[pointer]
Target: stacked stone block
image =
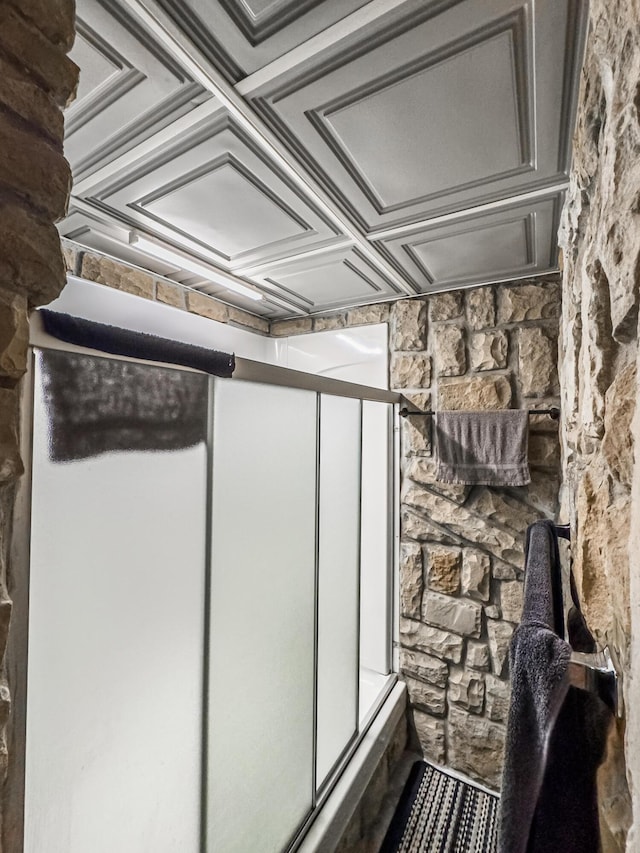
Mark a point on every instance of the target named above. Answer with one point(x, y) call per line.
point(36, 81)
point(462, 547)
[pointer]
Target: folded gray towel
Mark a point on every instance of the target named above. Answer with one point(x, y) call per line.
point(483, 447)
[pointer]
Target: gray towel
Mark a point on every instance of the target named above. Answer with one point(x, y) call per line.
point(483, 447)
point(556, 733)
point(102, 405)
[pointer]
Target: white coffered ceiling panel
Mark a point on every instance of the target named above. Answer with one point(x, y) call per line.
point(326, 280)
point(445, 113)
point(129, 86)
point(326, 153)
point(213, 192)
point(515, 241)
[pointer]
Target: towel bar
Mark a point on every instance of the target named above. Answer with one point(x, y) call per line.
point(597, 674)
point(553, 412)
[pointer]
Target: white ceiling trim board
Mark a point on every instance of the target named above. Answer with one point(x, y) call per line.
point(254, 269)
point(500, 204)
point(176, 43)
point(327, 39)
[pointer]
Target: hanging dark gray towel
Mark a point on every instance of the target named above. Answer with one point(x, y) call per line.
point(483, 447)
point(556, 733)
point(111, 339)
point(99, 405)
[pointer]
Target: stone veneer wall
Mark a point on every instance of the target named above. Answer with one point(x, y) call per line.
point(36, 81)
point(600, 236)
point(461, 561)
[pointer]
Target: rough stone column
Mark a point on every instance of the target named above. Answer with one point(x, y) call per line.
point(600, 236)
point(36, 81)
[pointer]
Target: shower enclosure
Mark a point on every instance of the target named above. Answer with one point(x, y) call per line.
point(210, 617)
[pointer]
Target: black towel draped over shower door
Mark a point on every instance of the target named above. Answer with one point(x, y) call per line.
point(556, 733)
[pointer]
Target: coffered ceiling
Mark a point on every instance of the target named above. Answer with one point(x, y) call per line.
point(324, 153)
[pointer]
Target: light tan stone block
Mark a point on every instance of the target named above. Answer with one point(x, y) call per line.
point(207, 306)
point(497, 696)
point(459, 521)
point(424, 667)
point(119, 276)
point(446, 306)
point(500, 634)
point(466, 689)
point(171, 294)
point(477, 655)
point(476, 746)
point(410, 370)
point(481, 308)
point(537, 358)
point(368, 314)
point(296, 326)
point(431, 641)
point(450, 352)
point(618, 443)
point(452, 614)
point(476, 574)
point(528, 302)
point(511, 600)
point(409, 325)
point(415, 436)
point(327, 324)
point(488, 350)
point(411, 579)
point(427, 697)
point(443, 569)
point(243, 318)
point(430, 734)
point(476, 393)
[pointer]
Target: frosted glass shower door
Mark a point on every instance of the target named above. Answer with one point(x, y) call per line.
point(262, 617)
point(377, 515)
point(338, 578)
point(114, 704)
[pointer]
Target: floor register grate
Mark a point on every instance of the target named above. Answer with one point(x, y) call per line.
point(438, 813)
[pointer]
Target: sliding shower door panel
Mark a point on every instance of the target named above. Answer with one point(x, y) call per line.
point(113, 759)
point(262, 617)
point(338, 578)
point(377, 514)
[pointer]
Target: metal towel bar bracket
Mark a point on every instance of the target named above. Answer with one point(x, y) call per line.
point(598, 674)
